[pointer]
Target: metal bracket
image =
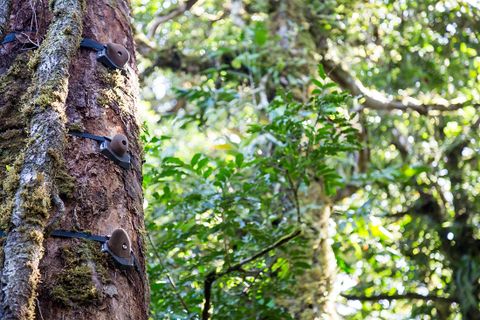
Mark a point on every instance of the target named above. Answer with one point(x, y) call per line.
point(122, 160)
point(111, 55)
point(115, 149)
point(119, 247)
point(105, 60)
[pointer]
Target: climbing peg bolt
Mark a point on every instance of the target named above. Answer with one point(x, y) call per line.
point(119, 145)
point(111, 55)
point(119, 247)
point(116, 148)
point(117, 54)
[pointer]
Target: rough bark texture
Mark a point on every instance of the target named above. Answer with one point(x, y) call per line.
point(52, 179)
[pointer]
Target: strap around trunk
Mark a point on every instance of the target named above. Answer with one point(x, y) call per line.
point(91, 44)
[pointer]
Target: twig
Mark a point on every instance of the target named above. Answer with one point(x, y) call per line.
point(294, 189)
point(255, 277)
point(36, 44)
point(266, 250)
point(169, 278)
point(213, 275)
point(34, 17)
point(39, 309)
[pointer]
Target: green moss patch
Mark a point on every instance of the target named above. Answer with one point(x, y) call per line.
point(13, 131)
point(84, 272)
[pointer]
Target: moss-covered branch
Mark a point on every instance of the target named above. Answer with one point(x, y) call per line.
point(379, 102)
point(32, 199)
point(403, 296)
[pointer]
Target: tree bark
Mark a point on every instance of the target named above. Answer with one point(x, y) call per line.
point(50, 180)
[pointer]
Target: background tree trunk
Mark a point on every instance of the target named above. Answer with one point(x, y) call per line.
point(315, 293)
point(50, 179)
point(320, 294)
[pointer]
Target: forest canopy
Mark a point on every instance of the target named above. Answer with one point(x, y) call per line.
point(311, 159)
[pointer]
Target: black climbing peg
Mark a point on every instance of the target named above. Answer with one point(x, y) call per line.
point(111, 55)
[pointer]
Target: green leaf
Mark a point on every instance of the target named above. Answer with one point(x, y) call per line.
point(260, 33)
point(321, 71)
point(195, 159)
point(239, 159)
point(173, 160)
point(317, 83)
point(202, 163)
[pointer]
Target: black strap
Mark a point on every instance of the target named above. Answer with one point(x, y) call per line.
point(89, 136)
point(91, 44)
point(78, 235)
point(83, 235)
point(71, 234)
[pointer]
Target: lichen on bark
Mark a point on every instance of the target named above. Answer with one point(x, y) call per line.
point(45, 110)
point(113, 95)
point(4, 13)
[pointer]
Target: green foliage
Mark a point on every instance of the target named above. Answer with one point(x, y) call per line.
point(208, 213)
point(243, 133)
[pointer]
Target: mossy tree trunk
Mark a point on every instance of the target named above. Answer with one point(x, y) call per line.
point(49, 179)
point(318, 295)
point(315, 296)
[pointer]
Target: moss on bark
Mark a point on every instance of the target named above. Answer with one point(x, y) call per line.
point(83, 277)
point(64, 182)
point(114, 96)
point(13, 132)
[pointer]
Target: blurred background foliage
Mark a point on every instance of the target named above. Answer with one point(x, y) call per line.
point(311, 159)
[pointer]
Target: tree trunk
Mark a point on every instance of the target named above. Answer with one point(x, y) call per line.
point(52, 180)
point(315, 294)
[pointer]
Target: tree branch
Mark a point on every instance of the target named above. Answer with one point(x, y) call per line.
point(376, 101)
point(213, 276)
point(165, 16)
point(23, 247)
point(405, 296)
point(278, 243)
